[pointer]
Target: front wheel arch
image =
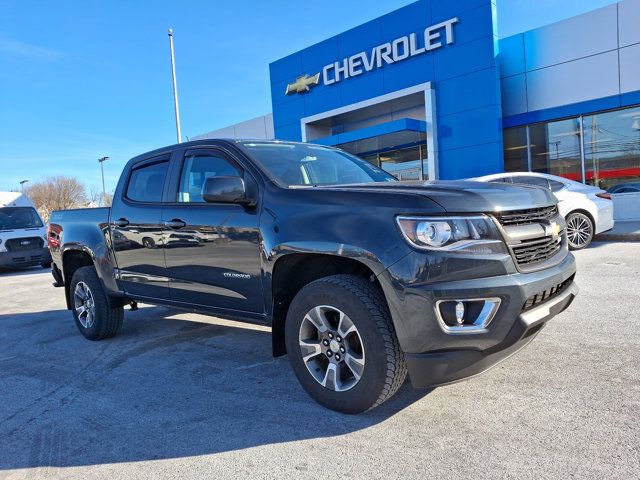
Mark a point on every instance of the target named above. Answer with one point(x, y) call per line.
point(294, 271)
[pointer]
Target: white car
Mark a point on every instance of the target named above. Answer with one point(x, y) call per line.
point(587, 210)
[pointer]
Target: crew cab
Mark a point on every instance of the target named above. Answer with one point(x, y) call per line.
point(361, 277)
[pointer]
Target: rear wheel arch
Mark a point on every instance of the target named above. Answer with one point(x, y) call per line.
point(72, 260)
point(585, 212)
point(293, 271)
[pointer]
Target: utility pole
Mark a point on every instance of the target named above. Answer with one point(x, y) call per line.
point(175, 86)
point(22, 182)
point(104, 190)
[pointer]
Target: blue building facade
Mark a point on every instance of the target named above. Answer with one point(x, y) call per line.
point(440, 92)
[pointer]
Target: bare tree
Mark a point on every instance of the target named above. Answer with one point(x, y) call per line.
point(107, 199)
point(57, 193)
point(98, 199)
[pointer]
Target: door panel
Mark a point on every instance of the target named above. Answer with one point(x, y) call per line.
point(214, 259)
point(138, 232)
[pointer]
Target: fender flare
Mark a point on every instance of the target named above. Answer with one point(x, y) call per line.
point(366, 258)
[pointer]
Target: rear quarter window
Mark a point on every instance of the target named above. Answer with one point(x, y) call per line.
point(533, 181)
point(556, 186)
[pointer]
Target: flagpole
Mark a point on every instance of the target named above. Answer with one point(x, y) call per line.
point(175, 86)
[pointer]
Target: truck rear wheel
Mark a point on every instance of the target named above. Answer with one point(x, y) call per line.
point(94, 317)
point(342, 345)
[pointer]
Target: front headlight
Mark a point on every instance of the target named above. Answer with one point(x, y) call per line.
point(472, 234)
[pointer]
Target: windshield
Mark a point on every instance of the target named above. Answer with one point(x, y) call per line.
point(19, 217)
point(304, 164)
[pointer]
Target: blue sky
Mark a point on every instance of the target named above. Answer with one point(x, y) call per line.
point(84, 79)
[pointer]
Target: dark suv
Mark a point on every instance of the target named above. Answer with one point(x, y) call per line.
point(361, 277)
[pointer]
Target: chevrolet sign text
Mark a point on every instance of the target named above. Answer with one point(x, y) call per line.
point(390, 52)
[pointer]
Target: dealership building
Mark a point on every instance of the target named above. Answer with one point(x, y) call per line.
point(430, 92)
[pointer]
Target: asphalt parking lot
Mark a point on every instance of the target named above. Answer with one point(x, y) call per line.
point(186, 396)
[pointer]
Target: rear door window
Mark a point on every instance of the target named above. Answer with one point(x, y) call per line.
point(146, 183)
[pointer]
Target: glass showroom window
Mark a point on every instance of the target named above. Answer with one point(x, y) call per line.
point(515, 150)
point(404, 164)
point(612, 147)
point(555, 148)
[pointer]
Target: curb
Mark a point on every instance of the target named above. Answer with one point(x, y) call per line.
point(617, 237)
point(622, 231)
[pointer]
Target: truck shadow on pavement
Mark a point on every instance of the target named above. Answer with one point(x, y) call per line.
point(165, 388)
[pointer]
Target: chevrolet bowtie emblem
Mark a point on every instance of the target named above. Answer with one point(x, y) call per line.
point(553, 229)
point(303, 84)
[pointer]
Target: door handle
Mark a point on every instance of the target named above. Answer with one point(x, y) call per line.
point(175, 223)
point(121, 222)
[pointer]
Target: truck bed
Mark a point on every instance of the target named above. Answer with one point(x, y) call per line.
point(80, 215)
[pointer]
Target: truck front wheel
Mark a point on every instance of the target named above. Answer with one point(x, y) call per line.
point(94, 317)
point(342, 345)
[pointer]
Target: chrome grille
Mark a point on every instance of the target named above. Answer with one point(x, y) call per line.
point(540, 297)
point(536, 250)
point(24, 244)
point(523, 217)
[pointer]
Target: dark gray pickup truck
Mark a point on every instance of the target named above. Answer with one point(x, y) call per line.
point(361, 277)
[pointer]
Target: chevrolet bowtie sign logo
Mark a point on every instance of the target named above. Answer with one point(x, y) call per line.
point(417, 43)
point(303, 84)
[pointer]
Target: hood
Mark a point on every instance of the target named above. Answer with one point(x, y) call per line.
point(463, 196)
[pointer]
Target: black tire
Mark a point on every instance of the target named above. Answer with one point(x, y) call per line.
point(148, 242)
point(384, 370)
point(46, 264)
point(107, 321)
point(580, 230)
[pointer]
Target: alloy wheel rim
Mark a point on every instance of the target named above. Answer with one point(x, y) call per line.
point(332, 348)
point(84, 305)
point(578, 230)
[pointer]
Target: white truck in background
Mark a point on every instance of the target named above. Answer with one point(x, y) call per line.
point(23, 236)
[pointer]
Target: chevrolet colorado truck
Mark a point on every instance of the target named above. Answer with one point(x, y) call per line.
point(362, 278)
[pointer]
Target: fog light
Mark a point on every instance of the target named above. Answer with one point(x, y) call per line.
point(466, 316)
point(460, 313)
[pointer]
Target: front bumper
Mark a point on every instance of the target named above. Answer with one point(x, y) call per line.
point(26, 258)
point(444, 367)
point(435, 357)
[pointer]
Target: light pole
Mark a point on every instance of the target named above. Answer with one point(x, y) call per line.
point(175, 86)
point(22, 182)
point(104, 190)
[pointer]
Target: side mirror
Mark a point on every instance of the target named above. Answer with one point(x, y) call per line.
point(225, 190)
